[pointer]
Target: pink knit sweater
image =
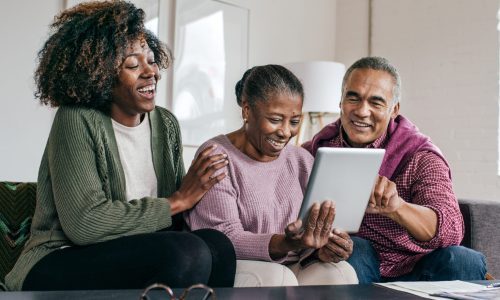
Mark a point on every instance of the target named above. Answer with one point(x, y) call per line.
point(256, 199)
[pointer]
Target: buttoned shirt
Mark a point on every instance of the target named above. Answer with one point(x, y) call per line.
point(424, 180)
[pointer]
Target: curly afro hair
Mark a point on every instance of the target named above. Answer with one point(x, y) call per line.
point(79, 63)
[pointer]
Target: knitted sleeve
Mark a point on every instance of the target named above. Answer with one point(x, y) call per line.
point(174, 141)
point(86, 212)
point(219, 210)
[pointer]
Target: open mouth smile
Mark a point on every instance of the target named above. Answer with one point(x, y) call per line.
point(276, 144)
point(147, 91)
point(360, 124)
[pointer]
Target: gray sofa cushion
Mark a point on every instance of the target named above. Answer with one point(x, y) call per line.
point(484, 233)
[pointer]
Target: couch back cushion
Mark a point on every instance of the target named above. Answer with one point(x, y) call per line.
point(17, 206)
point(465, 210)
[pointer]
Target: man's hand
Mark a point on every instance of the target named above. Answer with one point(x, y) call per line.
point(338, 248)
point(384, 199)
point(420, 221)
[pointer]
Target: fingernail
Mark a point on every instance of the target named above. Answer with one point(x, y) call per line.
point(224, 155)
point(214, 146)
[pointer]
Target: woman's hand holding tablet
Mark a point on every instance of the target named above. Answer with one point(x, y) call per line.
point(314, 234)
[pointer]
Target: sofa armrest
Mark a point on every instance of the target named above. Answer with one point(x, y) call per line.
point(17, 206)
point(482, 230)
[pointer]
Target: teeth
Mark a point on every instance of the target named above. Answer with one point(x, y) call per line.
point(278, 144)
point(148, 88)
point(360, 124)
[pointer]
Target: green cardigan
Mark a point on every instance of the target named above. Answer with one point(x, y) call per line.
point(81, 186)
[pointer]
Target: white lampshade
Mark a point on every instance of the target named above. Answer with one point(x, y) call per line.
point(322, 81)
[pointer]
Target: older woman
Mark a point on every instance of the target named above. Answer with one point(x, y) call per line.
point(257, 204)
point(112, 175)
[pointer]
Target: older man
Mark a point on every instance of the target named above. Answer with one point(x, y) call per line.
point(412, 226)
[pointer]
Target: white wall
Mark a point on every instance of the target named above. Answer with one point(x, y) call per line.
point(283, 31)
point(304, 31)
point(351, 42)
point(24, 123)
point(447, 54)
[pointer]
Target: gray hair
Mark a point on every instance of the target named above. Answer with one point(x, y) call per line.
point(379, 64)
point(261, 82)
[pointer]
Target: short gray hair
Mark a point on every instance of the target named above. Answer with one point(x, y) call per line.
point(380, 64)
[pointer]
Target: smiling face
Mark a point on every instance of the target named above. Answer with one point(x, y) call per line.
point(270, 125)
point(367, 106)
point(134, 93)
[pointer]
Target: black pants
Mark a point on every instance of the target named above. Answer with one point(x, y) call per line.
point(177, 259)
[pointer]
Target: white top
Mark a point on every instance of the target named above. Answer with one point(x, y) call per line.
point(134, 147)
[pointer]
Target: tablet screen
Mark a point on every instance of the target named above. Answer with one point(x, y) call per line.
point(346, 176)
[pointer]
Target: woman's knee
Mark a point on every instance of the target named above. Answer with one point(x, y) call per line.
point(217, 240)
point(321, 273)
point(251, 273)
point(184, 252)
point(223, 257)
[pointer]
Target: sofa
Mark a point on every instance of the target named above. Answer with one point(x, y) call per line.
point(482, 230)
point(17, 206)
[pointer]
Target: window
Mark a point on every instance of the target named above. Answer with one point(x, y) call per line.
point(210, 57)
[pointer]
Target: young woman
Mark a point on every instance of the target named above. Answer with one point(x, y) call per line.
point(257, 204)
point(112, 175)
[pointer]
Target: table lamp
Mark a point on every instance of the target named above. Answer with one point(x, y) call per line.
point(322, 82)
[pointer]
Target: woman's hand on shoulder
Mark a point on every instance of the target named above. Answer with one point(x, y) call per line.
point(198, 180)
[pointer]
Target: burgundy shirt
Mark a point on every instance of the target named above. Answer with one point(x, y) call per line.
point(424, 179)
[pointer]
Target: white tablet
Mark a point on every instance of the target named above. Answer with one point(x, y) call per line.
point(346, 176)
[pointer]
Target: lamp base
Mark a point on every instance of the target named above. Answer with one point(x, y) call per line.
point(312, 123)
